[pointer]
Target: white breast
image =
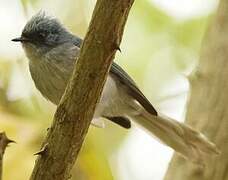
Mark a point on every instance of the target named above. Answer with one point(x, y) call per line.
point(108, 96)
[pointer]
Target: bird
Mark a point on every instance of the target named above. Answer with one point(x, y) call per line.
point(52, 51)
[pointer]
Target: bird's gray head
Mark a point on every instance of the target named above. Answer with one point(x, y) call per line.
point(42, 33)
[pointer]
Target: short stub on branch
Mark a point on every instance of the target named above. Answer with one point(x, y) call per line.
point(4, 142)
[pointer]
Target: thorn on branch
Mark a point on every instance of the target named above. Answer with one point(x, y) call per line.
point(42, 151)
point(11, 141)
point(117, 47)
point(4, 142)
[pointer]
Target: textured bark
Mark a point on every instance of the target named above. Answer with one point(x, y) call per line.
point(76, 109)
point(4, 141)
point(207, 106)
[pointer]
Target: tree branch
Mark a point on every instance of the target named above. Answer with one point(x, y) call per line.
point(4, 141)
point(76, 109)
point(207, 106)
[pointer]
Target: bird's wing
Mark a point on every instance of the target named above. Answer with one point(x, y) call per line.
point(125, 79)
point(132, 88)
point(77, 41)
point(120, 120)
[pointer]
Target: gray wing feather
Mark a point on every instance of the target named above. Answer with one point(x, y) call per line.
point(125, 79)
point(77, 41)
point(132, 88)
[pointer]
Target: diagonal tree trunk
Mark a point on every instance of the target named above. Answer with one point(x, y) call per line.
point(207, 107)
point(75, 111)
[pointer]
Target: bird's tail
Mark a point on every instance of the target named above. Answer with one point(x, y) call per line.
point(180, 137)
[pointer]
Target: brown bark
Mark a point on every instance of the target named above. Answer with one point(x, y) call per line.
point(75, 111)
point(207, 106)
point(4, 141)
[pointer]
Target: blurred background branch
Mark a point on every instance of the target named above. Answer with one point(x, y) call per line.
point(207, 106)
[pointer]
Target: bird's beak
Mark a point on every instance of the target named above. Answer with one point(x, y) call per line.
point(20, 39)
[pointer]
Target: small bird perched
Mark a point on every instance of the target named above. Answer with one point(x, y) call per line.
point(52, 51)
